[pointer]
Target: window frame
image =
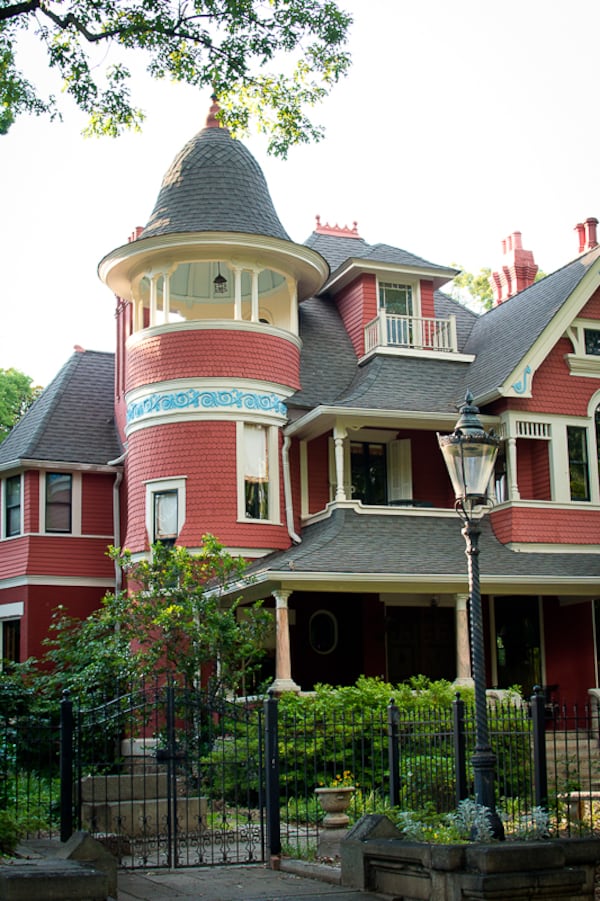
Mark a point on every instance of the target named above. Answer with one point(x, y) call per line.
point(398, 472)
point(272, 450)
point(8, 508)
point(50, 505)
point(10, 613)
point(156, 487)
point(582, 462)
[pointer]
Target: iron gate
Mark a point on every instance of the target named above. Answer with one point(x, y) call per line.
point(168, 776)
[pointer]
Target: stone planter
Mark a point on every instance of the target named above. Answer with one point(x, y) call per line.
point(335, 802)
point(376, 858)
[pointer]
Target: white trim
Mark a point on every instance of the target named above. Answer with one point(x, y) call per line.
point(12, 611)
point(522, 547)
point(59, 581)
point(212, 325)
point(386, 350)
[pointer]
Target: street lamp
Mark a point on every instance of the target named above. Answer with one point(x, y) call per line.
point(470, 454)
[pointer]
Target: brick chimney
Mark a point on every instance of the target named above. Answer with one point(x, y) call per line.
point(586, 234)
point(517, 270)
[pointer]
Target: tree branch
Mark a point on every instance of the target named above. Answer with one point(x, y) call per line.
point(18, 9)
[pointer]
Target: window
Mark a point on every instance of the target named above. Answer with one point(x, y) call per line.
point(369, 468)
point(10, 632)
point(59, 493)
point(397, 300)
point(12, 506)
point(579, 481)
point(256, 471)
point(592, 341)
point(165, 516)
point(10, 638)
point(165, 510)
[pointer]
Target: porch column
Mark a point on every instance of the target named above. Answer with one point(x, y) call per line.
point(254, 296)
point(338, 439)
point(511, 469)
point(153, 298)
point(283, 661)
point(166, 296)
point(463, 654)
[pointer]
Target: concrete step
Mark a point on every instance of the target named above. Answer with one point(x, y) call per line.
point(133, 818)
point(52, 880)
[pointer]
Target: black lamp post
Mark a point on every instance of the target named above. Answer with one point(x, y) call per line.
point(470, 454)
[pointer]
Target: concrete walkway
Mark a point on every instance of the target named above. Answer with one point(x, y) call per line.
point(295, 880)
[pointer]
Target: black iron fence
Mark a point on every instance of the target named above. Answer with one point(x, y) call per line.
point(173, 778)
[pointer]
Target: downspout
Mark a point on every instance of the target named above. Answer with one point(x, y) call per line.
point(117, 517)
point(287, 489)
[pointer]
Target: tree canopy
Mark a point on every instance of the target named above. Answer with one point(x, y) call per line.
point(268, 61)
point(17, 393)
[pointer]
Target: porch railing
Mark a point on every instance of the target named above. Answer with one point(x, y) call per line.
point(418, 332)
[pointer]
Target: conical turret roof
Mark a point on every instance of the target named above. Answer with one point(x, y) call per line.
point(214, 184)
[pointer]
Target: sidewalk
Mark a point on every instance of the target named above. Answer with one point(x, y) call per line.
point(238, 883)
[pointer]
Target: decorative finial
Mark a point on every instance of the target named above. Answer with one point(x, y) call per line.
point(211, 119)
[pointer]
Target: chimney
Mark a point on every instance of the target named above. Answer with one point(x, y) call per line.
point(517, 271)
point(586, 234)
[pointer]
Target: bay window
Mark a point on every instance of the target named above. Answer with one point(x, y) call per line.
point(59, 500)
point(12, 506)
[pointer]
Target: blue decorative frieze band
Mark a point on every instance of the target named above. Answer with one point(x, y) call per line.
point(521, 386)
point(172, 401)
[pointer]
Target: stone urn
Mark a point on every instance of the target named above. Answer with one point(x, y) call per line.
point(335, 802)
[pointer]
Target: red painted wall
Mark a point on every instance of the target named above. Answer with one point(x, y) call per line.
point(206, 353)
point(569, 645)
point(205, 452)
point(430, 476)
point(533, 469)
point(555, 390)
point(592, 308)
point(357, 304)
point(546, 526)
point(97, 504)
point(427, 307)
point(317, 456)
point(31, 502)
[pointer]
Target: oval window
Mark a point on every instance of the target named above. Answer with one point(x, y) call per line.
point(323, 632)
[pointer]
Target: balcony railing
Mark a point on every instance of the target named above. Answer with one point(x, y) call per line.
point(417, 332)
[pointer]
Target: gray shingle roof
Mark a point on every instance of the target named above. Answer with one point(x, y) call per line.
point(339, 249)
point(446, 306)
point(406, 383)
point(354, 543)
point(73, 419)
point(214, 184)
point(502, 337)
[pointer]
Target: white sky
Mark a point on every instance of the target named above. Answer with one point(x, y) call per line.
point(460, 123)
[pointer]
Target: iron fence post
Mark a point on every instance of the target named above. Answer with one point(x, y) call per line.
point(393, 720)
point(460, 753)
point(540, 771)
point(66, 767)
point(272, 776)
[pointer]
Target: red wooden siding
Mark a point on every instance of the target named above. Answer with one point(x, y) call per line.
point(546, 526)
point(357, 304)
point(31, 502)
point(533, 469)
point(592, 308)
point(427, 307)
point(555, 390)
point(317, 455)
point(213, 353)
point(97, 504)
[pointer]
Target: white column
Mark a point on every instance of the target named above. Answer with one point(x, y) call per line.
point(166, 296)
point(292, 285)
point(463, 654)
point(237, 293)
point(283, 661)
point(153, 292)
point(338, 439)
point(254, 316)
point(511, 469)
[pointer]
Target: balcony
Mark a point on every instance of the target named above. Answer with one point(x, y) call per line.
point(414, 332)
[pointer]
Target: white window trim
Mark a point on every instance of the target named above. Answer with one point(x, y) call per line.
point(414, 283)
point(75, 503)
point(274, 517)
point(157, 486)
point(579, 362)
point(3, 533)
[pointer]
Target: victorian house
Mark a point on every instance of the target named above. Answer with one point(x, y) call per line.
point(287, 398)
